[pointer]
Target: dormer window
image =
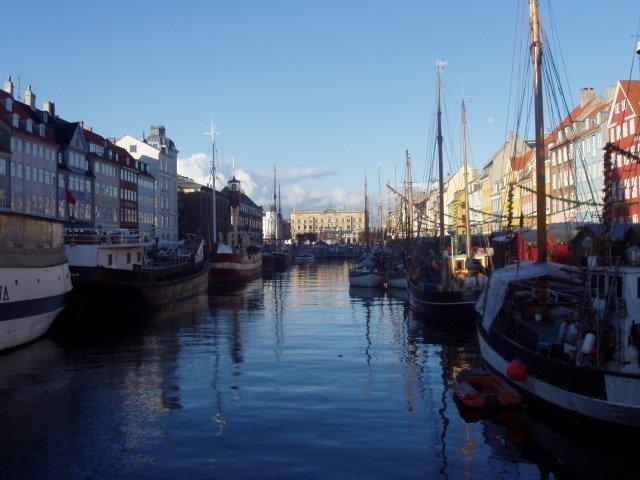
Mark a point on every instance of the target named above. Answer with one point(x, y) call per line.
point(42, 129)
point(9, 105)
point(29, 125)
point(15, 120)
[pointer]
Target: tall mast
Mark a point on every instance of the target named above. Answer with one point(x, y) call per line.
point(274, 187)
point(274, 211)
point(536, 58)
point(212, 132)
point(466, 180)
point(366, 214)
point(279, 215)
point(379, 213)
point(439, 67)
point(409, 195)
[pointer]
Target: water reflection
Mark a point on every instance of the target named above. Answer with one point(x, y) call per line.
point(293, 375)
point(274, 288)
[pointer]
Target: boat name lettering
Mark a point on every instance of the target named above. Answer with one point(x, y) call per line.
point(4, 293)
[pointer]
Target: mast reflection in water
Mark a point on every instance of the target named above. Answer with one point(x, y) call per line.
point(293, 375)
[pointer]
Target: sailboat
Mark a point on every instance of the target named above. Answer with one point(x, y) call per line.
point(274, 256)
point(566, 336)
point(396, 264)
point(441, 282)
point(369, 270)
point(237, 259)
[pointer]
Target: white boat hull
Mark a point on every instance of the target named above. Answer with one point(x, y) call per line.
point(397, 282)
point(30, 300)
point(618, 387)
point(371, 279)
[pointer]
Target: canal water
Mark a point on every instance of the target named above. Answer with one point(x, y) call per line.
point(292, 376)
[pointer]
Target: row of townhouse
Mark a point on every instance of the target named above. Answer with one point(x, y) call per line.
point(55, 168)
point(503, 193)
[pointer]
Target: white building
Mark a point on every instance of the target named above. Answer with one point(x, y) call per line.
point(160, 153)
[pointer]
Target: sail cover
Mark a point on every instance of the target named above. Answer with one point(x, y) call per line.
point(490, 301)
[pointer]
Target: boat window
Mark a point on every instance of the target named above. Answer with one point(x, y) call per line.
point(128, 257)
point(110, 259)
point(139, 257)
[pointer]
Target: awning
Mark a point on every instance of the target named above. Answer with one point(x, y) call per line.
point(492, 297)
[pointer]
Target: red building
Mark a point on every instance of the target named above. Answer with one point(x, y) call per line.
point(624, 132)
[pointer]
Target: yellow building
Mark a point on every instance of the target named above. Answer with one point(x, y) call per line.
point(330, 225)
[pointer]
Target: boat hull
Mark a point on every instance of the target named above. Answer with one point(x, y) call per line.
point(584, 393)
point(398, 281)
point(31, 300)
point(366, 279)
point(139, 289)
point(439, 303)
point(234, 267)
point(275, 262)
point(480, 389)
point(34, 277)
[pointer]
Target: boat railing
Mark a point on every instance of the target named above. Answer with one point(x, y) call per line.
point(97, 236)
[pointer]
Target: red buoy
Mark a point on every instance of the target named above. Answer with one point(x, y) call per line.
point(517, 370)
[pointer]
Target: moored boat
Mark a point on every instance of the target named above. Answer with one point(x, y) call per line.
point(237, 260)
point(125, 266)
point(304, 257)
point(368, 272)
point(567, 336)
point(369, 269)
point(396, 276)
point(229, 264)
point(366, 278)
point(34, 277)
point(275, 260)
point(480, 389)
point(442, 282)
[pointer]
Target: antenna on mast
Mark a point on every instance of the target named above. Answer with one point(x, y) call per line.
point(212, 132)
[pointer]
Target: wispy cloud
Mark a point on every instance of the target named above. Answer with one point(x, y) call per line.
point(259, 186)
point(297, 174)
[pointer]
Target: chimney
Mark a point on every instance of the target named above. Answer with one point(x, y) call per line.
point(81, 122)
point(49, 107)
point(586, 94)
point(8, 86)
point(611, 92)
point(30, 97)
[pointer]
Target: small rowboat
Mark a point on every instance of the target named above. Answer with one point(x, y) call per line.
point(480, 389)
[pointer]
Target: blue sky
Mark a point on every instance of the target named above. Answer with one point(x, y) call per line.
point(326, 89)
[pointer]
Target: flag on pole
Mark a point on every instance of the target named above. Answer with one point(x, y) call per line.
point(71, 200)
